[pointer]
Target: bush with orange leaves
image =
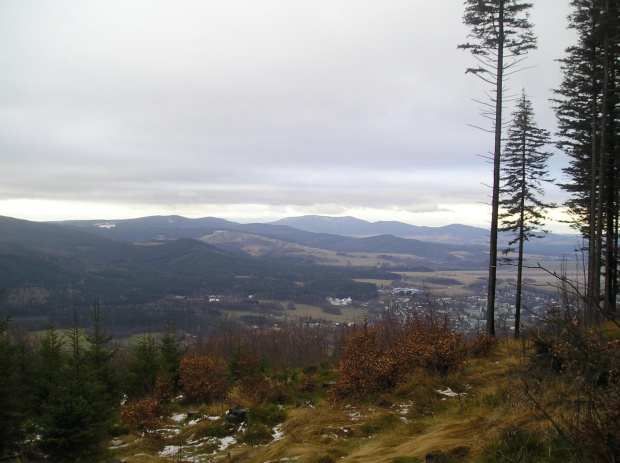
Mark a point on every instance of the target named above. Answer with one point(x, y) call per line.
point(256, 388)
point(365, 368)
point(202, 379)
point(433, 346)
point(142, 415)
point(376, 359)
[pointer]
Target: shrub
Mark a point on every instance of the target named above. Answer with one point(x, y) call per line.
point(271, 415)
point(378, 358)
point(601, 437)
point(256, 388)
point(202, 379)
point(566, 352)
point(278, 393)
point(433, 347)
point(142, 415)
point(164, 389)
point(257, 434)
point(219, 428)
point(483, 345)
point(365, 368)
point(307, 383)
point(243, 364)
point(517, 444)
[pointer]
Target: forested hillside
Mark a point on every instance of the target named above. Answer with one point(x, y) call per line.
point(46, 269)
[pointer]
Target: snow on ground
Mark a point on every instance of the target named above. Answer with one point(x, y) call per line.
point(277, 433)
point(450, 393)
point(170, 450)
point(226, 442)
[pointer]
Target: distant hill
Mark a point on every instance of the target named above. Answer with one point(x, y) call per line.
point(339, 234)
point(455, 234)
point(350, 226)
point(441, 255)
point(47, 268)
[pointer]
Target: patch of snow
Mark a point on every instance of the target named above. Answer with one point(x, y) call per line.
point(178, 418)
point(226, 442)
point(277, 433)
point(117, 444)
point(450, 393)
point(169, 450)
point(213, 418)
point(169, 430)
point(355, 415)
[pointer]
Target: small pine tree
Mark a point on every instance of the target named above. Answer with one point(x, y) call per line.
point(77, 415)
point(98, 358)
point(523, 171)
point(142, 369)
point(171, 350)
point(14, 391)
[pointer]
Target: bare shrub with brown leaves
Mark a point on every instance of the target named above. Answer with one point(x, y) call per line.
point(570, 352)
point(202, 379)
point(376, 359)
point(433, 347)
point(483, 345)
point(164, 389)
point(365, 368)
point(256, 388)
point(307, 383)
point(142, 415)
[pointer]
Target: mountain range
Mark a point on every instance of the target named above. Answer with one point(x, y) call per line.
point(135, 262)
point(345, 234)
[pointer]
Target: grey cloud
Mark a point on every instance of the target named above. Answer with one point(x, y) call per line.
point(352, 103)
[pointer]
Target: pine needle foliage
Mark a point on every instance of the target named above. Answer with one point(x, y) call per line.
point(524, 170)
point(501, 35)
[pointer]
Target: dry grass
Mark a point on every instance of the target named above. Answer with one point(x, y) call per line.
point(407, 423)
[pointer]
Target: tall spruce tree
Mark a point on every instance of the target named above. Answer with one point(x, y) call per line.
point(501, 35)
point(587, 113)
point(524, 169)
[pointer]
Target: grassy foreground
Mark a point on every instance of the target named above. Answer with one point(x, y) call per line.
point(479, 414)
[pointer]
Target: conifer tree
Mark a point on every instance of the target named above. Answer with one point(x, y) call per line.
point(142, 369)
point(524, 168)
point(502, 35)
point(49, 365)
point(98, 359)
point(14, 390)
point(77, 415)
point(171, 351)
point(587, 112)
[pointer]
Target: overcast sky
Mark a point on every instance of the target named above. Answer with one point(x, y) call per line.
point(253, 110)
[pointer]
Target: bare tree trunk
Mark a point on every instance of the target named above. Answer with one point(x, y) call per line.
point(496, 177)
